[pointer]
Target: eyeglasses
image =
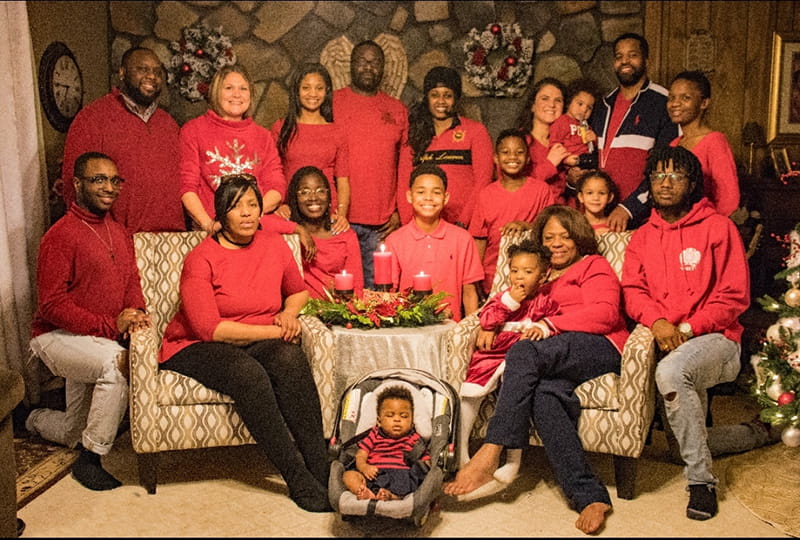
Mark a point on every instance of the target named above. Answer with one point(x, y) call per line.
point(238, 176)
point(305, 192)
point(100, 179)
point(674, 177)
point(147, 70)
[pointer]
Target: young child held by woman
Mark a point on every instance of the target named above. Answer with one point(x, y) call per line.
point(572, 129)
point(517, 313)
point(598, 195)
point(381, 471)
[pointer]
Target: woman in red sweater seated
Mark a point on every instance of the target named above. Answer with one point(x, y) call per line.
point(586, 341)
point(226, 140)
point(308, 136)
point(237, 332)
point(308, 198)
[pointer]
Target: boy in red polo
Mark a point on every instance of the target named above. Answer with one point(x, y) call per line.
point(430, 244)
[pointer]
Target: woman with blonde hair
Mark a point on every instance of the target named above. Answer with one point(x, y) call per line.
point(226, 140)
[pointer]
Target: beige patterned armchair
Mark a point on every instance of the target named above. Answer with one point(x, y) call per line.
point(617, 410)
point(169, 411)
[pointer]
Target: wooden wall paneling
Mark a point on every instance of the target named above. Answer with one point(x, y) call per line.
point(677, 32)
point(654, 24)
point(785, 16)
point(727, 82)
point(796, 19)
point(756, 73)
point(698, 15)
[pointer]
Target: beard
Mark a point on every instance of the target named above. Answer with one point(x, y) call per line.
point(369, 85)
point(138, 97)
point(632, 78)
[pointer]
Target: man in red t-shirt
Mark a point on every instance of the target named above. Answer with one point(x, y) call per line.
point(90, 300)
point(376, 126)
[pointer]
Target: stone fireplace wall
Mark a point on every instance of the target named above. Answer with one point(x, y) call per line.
point(572, 39)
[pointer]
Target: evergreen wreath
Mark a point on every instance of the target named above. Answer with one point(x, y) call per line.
point(499, 59)
point(376, 309)
point(777, 365)
point(197, 56)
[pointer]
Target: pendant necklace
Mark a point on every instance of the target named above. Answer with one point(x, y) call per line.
point(110, 245)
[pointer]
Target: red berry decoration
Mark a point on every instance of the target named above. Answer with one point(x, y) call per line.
point(511, 61)
point(199, 52)
point(786, 398)
point(186, 68)
point(495, 29)
point(348, 325)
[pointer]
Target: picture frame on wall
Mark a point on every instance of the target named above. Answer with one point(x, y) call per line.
point(783, 125)
point(780, 160)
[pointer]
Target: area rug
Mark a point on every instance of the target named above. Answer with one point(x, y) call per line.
point(767, 482)
point(40, 464)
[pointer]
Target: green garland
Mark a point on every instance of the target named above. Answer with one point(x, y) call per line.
point(375, 309)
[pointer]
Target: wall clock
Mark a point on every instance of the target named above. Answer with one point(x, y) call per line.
point(60, 85)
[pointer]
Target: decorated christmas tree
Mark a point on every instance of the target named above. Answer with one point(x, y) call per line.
point(777, 365)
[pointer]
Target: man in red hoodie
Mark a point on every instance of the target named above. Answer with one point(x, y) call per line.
point(686, 278)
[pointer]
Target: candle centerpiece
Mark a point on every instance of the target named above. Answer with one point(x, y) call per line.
point(343, 284)
point(376, 309)
point(422, 285)
point(382, 269)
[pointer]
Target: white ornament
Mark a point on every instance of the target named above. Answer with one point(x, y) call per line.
point(794, 358)
point(775, 389)
point(774, 334)
point(791, 436)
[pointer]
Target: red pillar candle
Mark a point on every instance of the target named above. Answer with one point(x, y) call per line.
point(382, 266)
point(422, 282)
point(343, 281)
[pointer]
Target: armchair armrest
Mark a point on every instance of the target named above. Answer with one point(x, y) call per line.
point(144, 384)
point(637, 385)
point(320, 349)
point(460, 343)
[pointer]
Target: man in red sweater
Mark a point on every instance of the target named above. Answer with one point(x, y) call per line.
point(141, 138)
point(89, 301)
point(686, 278)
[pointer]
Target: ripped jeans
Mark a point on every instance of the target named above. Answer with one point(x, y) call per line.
point(687, 372)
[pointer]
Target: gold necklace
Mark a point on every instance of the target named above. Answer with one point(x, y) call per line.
point(110, 245)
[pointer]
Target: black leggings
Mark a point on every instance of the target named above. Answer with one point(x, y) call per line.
point(274, 392)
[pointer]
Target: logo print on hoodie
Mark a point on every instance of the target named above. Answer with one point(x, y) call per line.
point(690, 258)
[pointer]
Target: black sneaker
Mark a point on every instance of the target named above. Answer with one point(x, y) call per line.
point(702, 502)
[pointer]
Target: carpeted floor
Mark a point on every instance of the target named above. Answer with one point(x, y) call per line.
point(40, 464)
point(766, 482)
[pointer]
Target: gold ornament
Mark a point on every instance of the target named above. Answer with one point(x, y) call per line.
point(792, 297)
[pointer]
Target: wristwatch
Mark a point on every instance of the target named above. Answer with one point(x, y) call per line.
point(686, 329)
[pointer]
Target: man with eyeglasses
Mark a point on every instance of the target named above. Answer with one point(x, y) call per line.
point(685, 277)
point(141, 138)
point(376, 125)
point(89, 302)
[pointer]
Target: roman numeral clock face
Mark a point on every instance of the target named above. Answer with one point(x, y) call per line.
point(60, 85)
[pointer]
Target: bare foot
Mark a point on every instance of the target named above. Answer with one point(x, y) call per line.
point(365, 493)
point(477, 472)
point(592, 518)
point(386, 495)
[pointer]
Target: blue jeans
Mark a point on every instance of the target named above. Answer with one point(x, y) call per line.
point(687, 372)
point(369, 236)
point(539, 382)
